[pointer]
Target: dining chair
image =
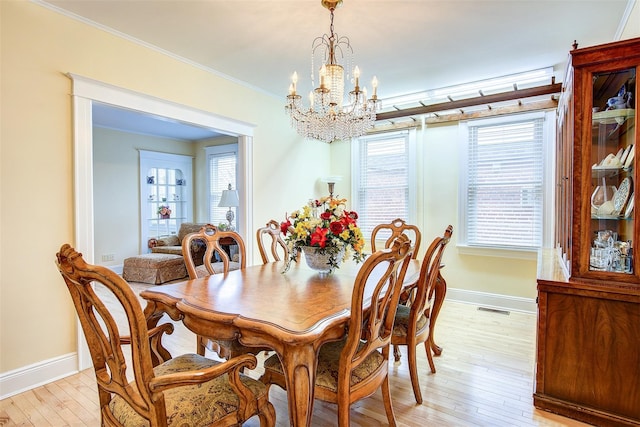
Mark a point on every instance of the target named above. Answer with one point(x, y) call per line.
point(186, 390)
point(394, 229)
point(412, 325)
point(391, 231)
point(213, 239)
point(356, 366)
point(277, 246)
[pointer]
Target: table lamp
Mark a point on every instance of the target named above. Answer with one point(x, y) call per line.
point(229, 199)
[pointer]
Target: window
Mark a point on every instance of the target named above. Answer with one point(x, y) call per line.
point(222, 163)
point(503, 200)
point(383, 178)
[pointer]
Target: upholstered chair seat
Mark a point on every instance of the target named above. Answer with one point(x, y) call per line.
point(328, 365)
point(196, 405)
point(401, 324)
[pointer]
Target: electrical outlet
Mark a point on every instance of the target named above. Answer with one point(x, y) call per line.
point(108, 257)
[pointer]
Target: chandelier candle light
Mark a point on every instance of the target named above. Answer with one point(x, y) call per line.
point(327, 119)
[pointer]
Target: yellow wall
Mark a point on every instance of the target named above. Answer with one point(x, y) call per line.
point(116, 189)
point(437, 174)
point(39, 46)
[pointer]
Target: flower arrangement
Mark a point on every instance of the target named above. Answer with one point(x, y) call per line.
point(164, 211)
point(327, 226)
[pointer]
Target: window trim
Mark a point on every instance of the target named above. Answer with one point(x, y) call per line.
point(213, 150)
point(548, 189)
point(410, 134)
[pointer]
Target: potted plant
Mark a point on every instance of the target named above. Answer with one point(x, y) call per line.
point(326, 232)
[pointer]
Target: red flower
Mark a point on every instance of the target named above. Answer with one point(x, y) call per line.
point(349, 218)
point(336, 227)
point(284, 226)
point(326, 215)
point(319, 236)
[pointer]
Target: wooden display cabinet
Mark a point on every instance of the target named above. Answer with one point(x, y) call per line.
point(588, 349)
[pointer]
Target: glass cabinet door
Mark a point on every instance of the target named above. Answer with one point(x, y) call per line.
point(167, 204)
point(165, 195)
point(613, 171)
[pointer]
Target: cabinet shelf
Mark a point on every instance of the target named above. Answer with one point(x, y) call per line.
point(599, 172)
point(179, 218)
point(614, 123)
point(613, 116)
point(613, 217)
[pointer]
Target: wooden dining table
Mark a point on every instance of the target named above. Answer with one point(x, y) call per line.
point(293, 313)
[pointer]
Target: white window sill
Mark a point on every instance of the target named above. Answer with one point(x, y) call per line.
point(527, 254)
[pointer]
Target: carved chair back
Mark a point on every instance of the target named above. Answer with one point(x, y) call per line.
point(215, 241)
point(276, 244)
point(394, 229)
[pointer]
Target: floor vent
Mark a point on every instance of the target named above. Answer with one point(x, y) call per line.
point(494, 310)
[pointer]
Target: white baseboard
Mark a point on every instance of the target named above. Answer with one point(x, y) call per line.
point(32, 376)
point(494, 301)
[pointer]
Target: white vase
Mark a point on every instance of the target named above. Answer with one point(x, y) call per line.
point(320, 261)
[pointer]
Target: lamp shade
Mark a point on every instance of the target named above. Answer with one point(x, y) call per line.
point(229, 198)
point(331, 179)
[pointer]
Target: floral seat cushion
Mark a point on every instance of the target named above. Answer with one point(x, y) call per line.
point(190, 405)
point(328, 361)
point(401, 323)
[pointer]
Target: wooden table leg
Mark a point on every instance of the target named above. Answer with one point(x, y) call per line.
point(299, 365)
point(440, 292)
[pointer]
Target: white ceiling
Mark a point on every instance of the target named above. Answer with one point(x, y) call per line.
point(411, 46)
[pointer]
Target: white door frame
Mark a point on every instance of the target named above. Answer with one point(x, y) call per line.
point(84, 92)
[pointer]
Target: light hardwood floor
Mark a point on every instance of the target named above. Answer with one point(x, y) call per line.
point(484, 378)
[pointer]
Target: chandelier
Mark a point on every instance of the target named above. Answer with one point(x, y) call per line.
point(328, 118)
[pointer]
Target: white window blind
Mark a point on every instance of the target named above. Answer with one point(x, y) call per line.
point(222, 172)
point(382, 180)
point(504, 194)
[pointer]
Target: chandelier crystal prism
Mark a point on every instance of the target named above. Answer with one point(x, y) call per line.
point(328, 118)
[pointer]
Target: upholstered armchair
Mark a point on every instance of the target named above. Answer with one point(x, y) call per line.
point(172, 244)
